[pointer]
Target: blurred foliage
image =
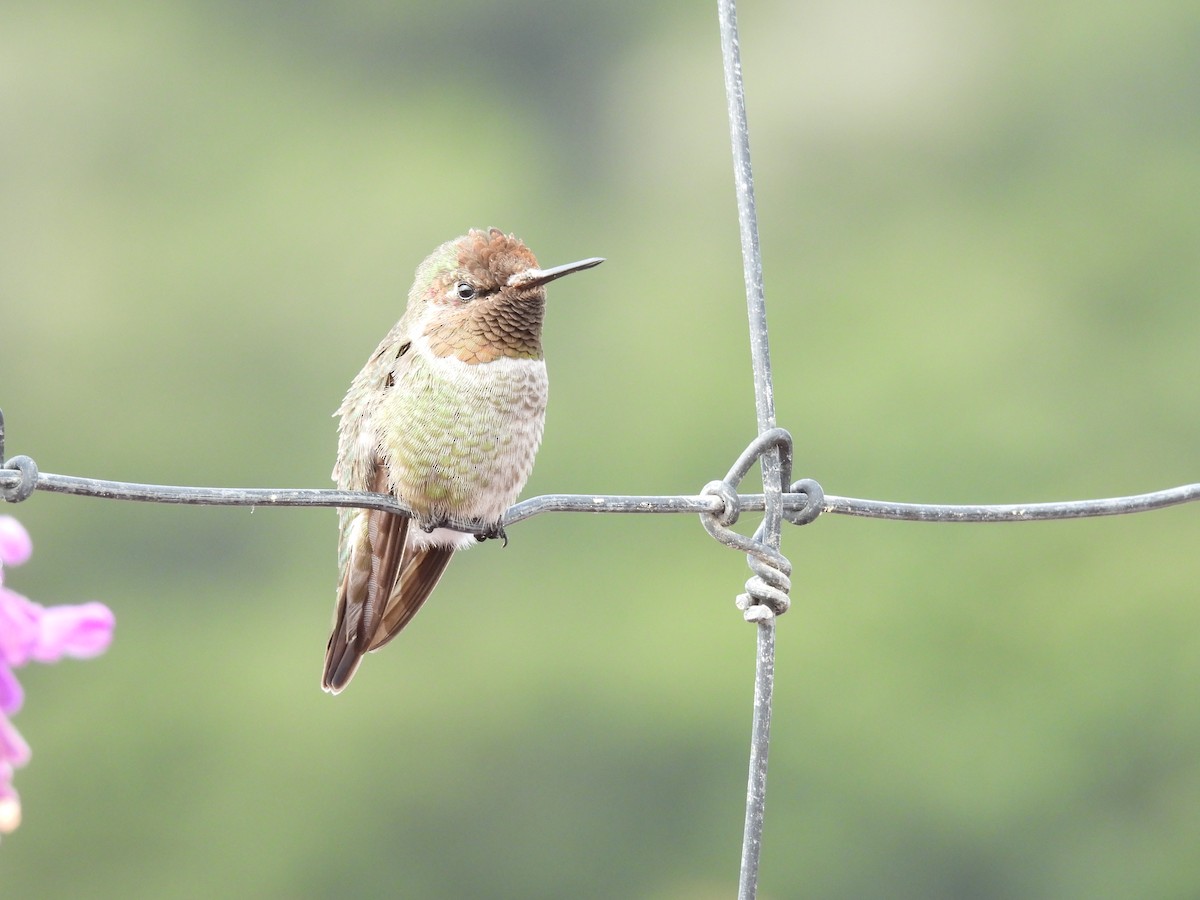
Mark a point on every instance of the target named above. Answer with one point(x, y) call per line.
point(980, 224)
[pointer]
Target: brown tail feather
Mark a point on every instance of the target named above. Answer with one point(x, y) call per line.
point(362, 600)
point(419, 574)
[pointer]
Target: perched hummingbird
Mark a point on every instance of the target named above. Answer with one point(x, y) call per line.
point(446, 415)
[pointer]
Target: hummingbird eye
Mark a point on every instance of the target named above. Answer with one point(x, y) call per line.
point(465, 291)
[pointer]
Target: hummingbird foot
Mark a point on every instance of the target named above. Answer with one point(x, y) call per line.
point(485, 533)
point(492, 533)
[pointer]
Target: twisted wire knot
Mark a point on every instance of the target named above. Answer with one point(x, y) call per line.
point(814, 502)
point(732, 507)
point(766, 593)
point(23, 487)
point(18, 490)
point(768, 587)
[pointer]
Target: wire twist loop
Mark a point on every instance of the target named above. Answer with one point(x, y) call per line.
point(732, 508)
point(28, 470)
point(768, 586)
point(814, 502)
point(20, 489)
point(767, 589)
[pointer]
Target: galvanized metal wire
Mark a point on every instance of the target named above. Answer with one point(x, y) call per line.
point(719, 504)
point(19, 477)
point(767, 591)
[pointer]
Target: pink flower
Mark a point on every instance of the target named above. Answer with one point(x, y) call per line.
point(30, 631)
point(15, 545)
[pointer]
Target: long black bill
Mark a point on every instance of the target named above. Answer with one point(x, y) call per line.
point(534, 277)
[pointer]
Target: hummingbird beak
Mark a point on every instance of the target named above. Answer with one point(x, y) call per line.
point(534, 277)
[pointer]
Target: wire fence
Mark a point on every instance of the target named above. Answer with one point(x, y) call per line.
point(719, 504)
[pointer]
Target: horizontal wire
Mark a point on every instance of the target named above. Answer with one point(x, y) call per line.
point(1012, 512)
point(611, 503)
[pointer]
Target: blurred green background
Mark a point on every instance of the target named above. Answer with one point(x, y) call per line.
point(981, 228)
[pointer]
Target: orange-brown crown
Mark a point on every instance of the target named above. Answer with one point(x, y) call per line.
point(481, 317)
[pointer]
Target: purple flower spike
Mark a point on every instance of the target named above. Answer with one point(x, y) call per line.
point(15, 545)
point(13, 748)
point(12, 695)
point(80, 631)
point(10, 805)
point(30, 631)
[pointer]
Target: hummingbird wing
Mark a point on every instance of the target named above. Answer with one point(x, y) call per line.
point(369, 579)
point(420, 571)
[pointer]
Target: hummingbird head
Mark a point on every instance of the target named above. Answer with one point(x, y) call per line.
point(482, 296)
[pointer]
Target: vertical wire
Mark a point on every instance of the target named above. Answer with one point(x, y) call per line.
point(756, 791)
point(756, 788)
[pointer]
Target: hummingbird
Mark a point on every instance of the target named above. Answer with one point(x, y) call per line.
point(446, 416)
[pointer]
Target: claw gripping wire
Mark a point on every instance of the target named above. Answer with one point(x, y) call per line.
point(767, 589)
